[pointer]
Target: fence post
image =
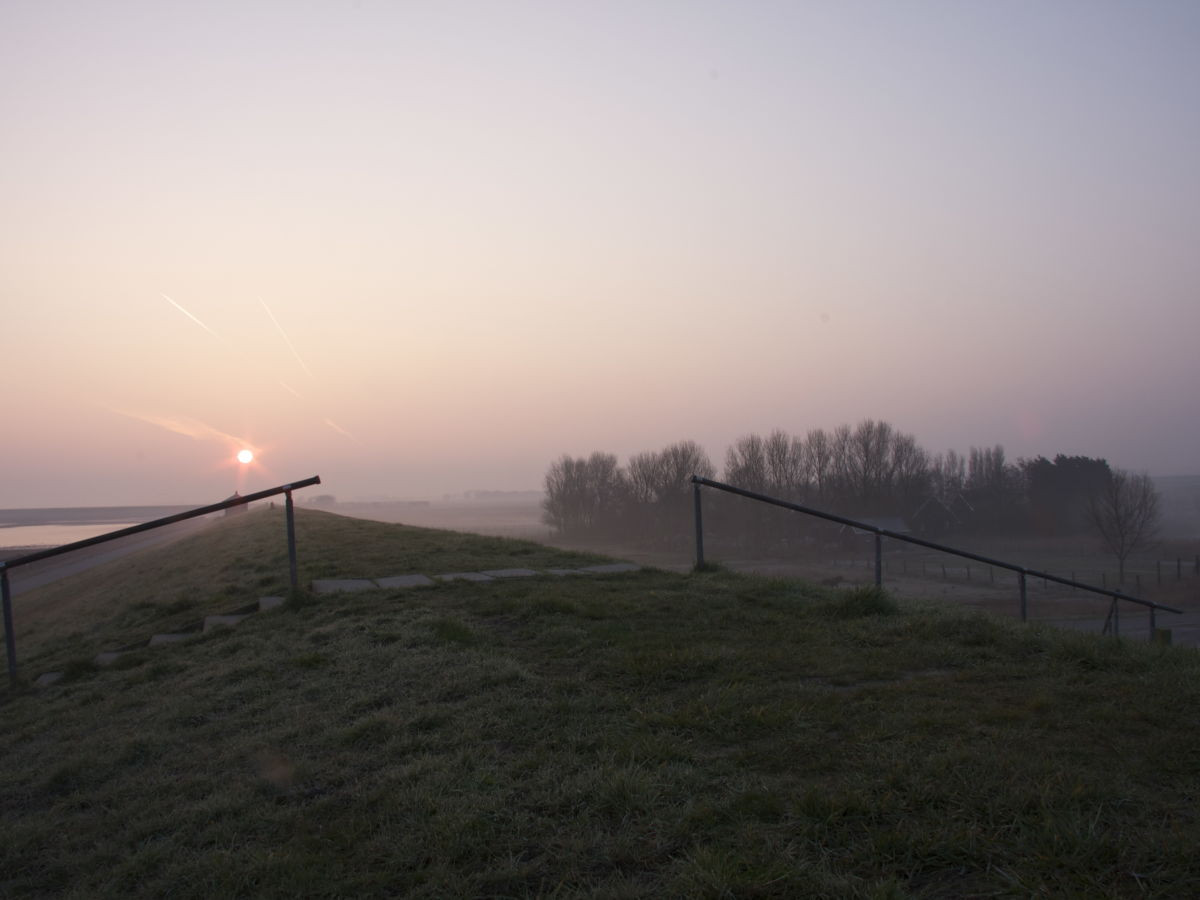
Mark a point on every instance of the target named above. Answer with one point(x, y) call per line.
point(291, 536)
point(1153, 625)
point(699, 526)
point(1024, 607)
point(878, 559)
point(10, 640)
point(1116, 617)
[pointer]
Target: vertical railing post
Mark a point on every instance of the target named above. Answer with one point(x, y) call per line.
point(291, 538)
point(1024, 598)
point(1116, 617)
point(878, 559)
point(1153, 624)
point(699, 525)
point(10, 640)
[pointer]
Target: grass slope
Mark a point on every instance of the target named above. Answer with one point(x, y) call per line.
point(709, 735)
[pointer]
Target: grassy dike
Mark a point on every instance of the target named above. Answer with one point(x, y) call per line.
point(643, 734)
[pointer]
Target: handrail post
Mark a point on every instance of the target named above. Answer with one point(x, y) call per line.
point(291, 539)
point(878, 559)
point(10, 640)
point(1116, 617)
point(1153, 623)
point(699, 525)
point(1024, 597)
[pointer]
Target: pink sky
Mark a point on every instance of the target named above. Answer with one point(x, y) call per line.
point(422, 248)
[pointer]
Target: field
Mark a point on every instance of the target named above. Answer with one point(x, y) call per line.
point(1166, 573)
point(654, 733)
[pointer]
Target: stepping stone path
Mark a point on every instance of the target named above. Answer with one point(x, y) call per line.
point(211, 622)
point(396, 581)
point(340, 586)
point(158, 639)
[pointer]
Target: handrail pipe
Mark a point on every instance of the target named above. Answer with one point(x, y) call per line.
point(880, 533)
point(5, 565)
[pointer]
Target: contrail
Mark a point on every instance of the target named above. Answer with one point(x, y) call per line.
point(194, 319)
point(286, 339)
point(192, 428)
point(340, 430)
point(291, 390)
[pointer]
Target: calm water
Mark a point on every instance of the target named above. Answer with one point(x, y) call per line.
point(53, 527)
point(53, 535)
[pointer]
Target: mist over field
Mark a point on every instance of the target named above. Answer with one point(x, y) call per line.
point(424, 249)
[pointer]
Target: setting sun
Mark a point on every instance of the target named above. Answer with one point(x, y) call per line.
point(245, 456)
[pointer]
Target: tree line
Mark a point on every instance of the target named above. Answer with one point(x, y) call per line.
point(870, 470)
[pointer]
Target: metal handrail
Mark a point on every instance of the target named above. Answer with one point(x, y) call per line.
point(880, 533)
point(5, 565)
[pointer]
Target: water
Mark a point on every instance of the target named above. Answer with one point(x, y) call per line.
point(54, 527)
point(53, 535)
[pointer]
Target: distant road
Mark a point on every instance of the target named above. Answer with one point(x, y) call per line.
point(25, 578)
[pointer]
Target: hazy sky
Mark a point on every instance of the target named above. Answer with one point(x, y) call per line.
point(425, 247)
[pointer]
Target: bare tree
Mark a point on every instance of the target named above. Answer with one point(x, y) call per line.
point(785, 464)
point(746, 464)
point(680, 462)
point(818, 455)
point(1126, 514)
point(841, 470)
point(645, 477)
point(949, 472)
point(584, 494)
point(566, 494)
point(869, 460)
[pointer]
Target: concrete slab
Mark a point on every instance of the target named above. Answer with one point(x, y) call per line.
point(108, 657)
point(612, 568)
point(265, 603)
point(159, 639)
point(342, 585)
point(563, 572)
point(464, 576)
point(404, 581)
point(211, 622)
point(48, 678)
point(509, 573)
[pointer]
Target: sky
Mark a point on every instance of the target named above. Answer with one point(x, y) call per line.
point(425, 247)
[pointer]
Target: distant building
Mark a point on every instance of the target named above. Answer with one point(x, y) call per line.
point(851, 535)
point(935, 517)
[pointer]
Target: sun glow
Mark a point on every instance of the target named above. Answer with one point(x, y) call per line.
point(245, 456)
